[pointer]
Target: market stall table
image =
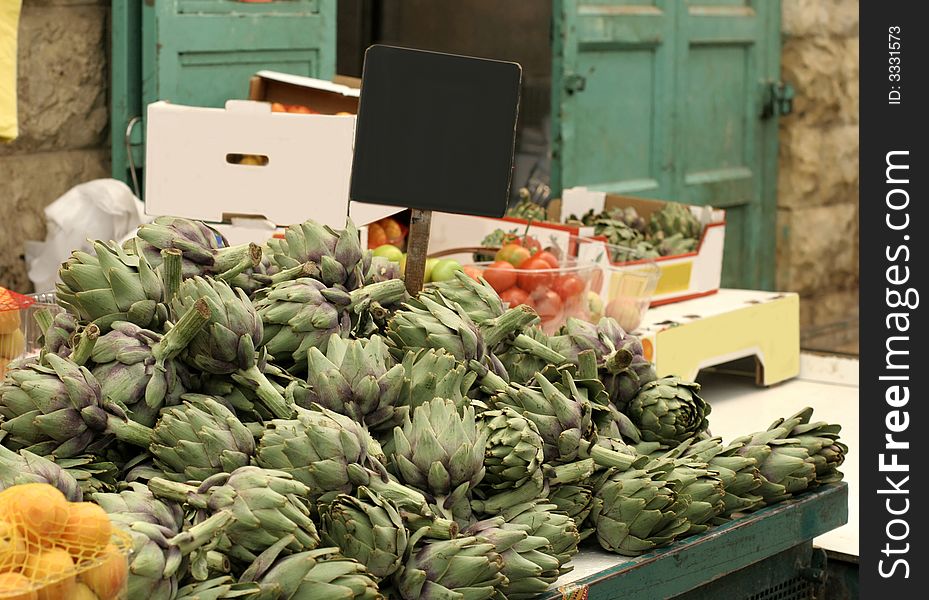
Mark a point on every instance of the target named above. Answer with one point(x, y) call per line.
point(770, 550)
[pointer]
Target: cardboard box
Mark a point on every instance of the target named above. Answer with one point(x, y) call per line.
point(326, 97)
point(683, 276)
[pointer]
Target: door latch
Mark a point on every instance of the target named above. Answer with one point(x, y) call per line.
point(777, 99)
point(574, 83)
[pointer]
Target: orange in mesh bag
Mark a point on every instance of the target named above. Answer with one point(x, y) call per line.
point(52, 549)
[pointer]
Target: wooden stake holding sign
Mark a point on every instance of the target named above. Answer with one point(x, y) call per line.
point(434, 132)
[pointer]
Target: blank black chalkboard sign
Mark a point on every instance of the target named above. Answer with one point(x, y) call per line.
point(435, 131)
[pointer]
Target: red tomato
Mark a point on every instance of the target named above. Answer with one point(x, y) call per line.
point(528, 280)
point(548, 304)
point(473, 272)
point(548, 257)
point(568, 286)
point(501, 275)
point(512, 253)
point(531, 244)
point(514, 296)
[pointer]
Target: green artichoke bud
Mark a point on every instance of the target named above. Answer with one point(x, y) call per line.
point(821, 440)
point(367, 528)
point(546, 521)
point(217, 588)
point(200, 439)
point(359, 379)
point(319, 449)
point(155, 563)
point(676, 244)
point(575, 501)
point(26, 467)
point(111, 286)
point(480, 301)
point(60, 410)
point(694, 482)
point(513, 453)
point(637, 513)
point(465, 567)
point(337, 255)
point(267, 505)
point(304, 313)
point(441, 452)
point(673, 219)
point(739, 474)
point(226, 345)
point(528, 566)
point(56, 338)
point(431, 373)
point(135, 368)
point(669, 411)
point(617, 232)
point(318, 574)
point(527, 209)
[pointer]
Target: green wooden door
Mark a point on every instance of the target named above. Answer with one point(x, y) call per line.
point(665, 99)
point(203, 52)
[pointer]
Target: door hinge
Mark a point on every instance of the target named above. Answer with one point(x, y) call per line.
point(777, 99)
point(574, 83)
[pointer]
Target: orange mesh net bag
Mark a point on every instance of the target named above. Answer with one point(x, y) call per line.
point(52, 549)
point(12, 340)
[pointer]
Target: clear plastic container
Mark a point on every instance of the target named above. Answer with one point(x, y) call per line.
point(19, 331)
point(628, 283)
point(556, 293)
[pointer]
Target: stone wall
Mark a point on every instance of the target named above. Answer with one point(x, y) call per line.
point(62, 96)
point(817, 251)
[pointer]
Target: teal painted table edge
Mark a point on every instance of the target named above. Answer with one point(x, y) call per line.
point(698, 560)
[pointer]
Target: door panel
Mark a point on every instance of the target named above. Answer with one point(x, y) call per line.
point(611, 91)
point(662, 99)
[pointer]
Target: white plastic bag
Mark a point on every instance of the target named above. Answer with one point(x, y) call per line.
point(103, 209)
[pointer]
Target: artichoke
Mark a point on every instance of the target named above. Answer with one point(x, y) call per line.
point(111, 286)
point(135, 368)
point(617, 232)
point(217, 588)
point(26, 467)
point(304, 313)
point(155, 563)
point(57, 337)
point(226, 344)
point(239, 393)
point(528, 210)
point(695, 483)
point(200, 439)
point(367, 528)
point(576, 501)
point(204, 251)
point(359, 379)
point(636, 513)
point(431, 373)
point(318, 574)
point(821, 440)
point(465, 567)
point(324, 450)
point(739, 474)
point(528, 565)
point(59, 410)
point(513, 454)
point(674, 218)
point(546, 521)
point(267, 505)
point(441, 453)
point(480, 301)
point(669, 411)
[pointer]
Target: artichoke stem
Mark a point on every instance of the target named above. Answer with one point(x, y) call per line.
point(587, 365)
point(435, 528)
point(249, 260)
point(231, 257)
point(179, 336)
point(513, 320)
point(85, 344)
point(171, 272)
point(178, 492)
point(383, 292)
point(269, 396)
point(129, 431)
point(605, 457)
point(533, 347)
point(304, 270)
point(201, 533)
point(570, 473)
point(44, 320)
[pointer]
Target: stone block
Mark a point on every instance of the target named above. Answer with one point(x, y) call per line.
point(28, 184)
point(62, 87)
point(816, 249)
point(804, 18)
point(824, 74)
point(817, 165)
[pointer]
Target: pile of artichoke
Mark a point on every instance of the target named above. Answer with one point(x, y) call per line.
point(672, 230)
point(286, 422)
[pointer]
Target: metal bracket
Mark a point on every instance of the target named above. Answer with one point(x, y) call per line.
point(777, 99)
point(574, 83)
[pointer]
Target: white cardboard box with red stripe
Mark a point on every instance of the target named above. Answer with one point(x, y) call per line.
point(683, 276)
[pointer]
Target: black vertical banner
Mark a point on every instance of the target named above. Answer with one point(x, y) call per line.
point(894, 266)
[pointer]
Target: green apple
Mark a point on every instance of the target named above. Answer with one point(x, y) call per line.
point(390, 252)
point(444, 269)
point(403, 264)
point(430, 264)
